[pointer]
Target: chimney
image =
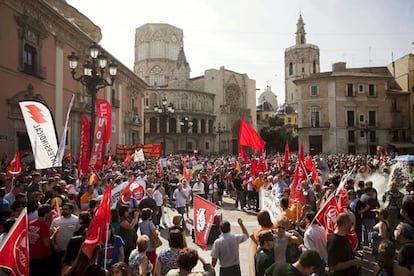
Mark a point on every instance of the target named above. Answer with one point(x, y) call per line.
point(339, 66)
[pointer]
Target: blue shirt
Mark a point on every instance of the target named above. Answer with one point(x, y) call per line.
point(112, 252)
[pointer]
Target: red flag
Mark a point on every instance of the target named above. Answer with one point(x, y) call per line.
point(243, 155)
point(15, 166)
point(327, 214)
point(249, 137)
point(127, 159)
point(83, 158)
point(109, 162)
point(185, 172)
point(315, 175)
point(99, 224)
point(296, 186)
point(286, 156)
point(301, 154)
point(309, 163)
point(278, 162)
point(14, 250)
point(56, 210)
point(103, 109)
point(133, 189)
point(203, 219)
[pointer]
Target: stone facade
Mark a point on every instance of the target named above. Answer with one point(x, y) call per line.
point(34, 66)
point(219, 97)
point(301, 60)
point(351, 110)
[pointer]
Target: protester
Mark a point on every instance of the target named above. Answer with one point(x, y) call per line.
point(386, 264)
point(127, 229)
point(167, 258)
point(148, 228)
point(187, 259)
point(139, 263)
point(264, 256)
point(226, 249)
point(308, 262)
point(404, 233)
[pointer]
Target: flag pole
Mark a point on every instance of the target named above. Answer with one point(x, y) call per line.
point(106, 245)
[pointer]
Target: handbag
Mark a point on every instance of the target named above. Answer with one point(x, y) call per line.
point(156, 241)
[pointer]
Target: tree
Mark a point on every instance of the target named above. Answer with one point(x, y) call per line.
point(276, 134)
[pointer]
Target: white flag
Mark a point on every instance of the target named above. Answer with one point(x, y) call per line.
point(139, 155)
point(42, 133)
point(61, 149)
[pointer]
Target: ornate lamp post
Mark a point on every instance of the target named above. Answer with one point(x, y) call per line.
point(219, 131)
point(186, 124)
point(164, 110)
point(94, 76)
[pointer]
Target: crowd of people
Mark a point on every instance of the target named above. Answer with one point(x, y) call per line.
point(293, 244)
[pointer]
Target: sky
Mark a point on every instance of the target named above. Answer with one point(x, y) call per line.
point(250, 36)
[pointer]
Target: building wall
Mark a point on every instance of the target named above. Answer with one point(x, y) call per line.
point(44, 25)
point(335, 124)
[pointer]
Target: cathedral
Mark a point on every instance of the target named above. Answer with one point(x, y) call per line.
point(182, 113)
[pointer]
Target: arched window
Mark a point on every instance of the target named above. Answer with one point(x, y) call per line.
point(195, 126)
point(203, 126)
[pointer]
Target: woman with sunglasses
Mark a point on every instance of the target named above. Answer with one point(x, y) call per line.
point(283, 237)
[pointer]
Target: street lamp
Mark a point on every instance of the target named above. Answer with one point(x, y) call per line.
point(186, 124)
point(219, 131)
point(94, 77)
point(164, 110)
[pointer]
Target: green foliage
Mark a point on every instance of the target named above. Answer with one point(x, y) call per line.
point(276, 134)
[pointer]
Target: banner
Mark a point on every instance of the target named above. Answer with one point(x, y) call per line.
point(150, 150)
point(103, 109)
point(14, 250)
point(83, 158)
point(203, 219)
point(61, 149)
point(15, 166)
point(98, 146)
point(249, 137)
point(270, 203)
point(139, 155)
point(42, 133)
point(99, 225)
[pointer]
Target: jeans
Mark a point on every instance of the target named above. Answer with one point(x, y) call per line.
point(367, 226)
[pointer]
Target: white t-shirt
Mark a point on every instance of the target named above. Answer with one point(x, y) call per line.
point(67, 226)
point(198, 186)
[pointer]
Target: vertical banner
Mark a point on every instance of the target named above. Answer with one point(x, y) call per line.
point(103, 109)
point(98, 146)
point(83, 158)
point(203, 219)
point(42, 133)
point(61, 149)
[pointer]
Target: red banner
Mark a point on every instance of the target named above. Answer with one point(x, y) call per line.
point(103, 109)
point(14, 250)
point(83, 158)
point(150, 150)
point(203, 219)
point(98, 146)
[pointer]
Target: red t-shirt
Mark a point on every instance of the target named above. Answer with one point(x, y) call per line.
point(38, 231)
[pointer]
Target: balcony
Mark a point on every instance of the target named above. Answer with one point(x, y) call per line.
point(132, 118)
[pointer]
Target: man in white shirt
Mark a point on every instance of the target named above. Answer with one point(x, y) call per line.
point(198, 188)
point(180, 195)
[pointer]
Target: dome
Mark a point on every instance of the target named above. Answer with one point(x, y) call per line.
point(269, 97)
point(285, 109)
point(264, 106)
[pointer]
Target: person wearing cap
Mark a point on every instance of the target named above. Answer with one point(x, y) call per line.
point(308, 262)
point(264, 256)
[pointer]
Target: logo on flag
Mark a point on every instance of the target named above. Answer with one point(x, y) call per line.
point(203, 219)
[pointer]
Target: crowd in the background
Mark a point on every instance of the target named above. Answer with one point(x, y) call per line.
point(382, 216)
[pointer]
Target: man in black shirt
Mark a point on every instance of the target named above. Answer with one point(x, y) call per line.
point(264, 256)
point(341, 259)
point(404, 233)
point(241, 196)
point(308, 262)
